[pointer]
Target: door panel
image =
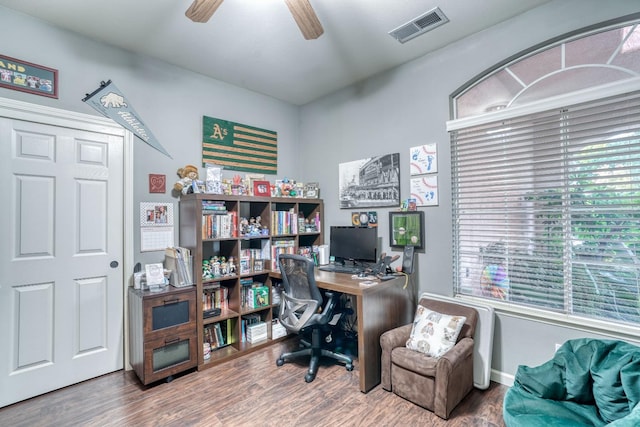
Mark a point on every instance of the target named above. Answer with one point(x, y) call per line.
point(33, 343)
point(61, 303)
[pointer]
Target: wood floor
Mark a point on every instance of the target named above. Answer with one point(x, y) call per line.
point(248, 391)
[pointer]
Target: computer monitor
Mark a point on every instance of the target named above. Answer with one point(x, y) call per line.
point(353, 244)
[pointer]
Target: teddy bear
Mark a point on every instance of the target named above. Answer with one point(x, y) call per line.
point(187, 175)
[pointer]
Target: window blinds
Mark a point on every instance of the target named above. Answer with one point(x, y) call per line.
point(546, 209)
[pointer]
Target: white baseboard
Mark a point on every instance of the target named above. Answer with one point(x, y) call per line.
point(502, 378)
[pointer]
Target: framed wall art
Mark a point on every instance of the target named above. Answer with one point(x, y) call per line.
point(370, 182)
point(424, 189)
point(157, 183)
point(27, 77)
point(423, 159)
point(406, 228)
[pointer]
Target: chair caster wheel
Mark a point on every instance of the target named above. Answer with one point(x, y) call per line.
point(349, 367)
point(280, 362)
point(309, 377)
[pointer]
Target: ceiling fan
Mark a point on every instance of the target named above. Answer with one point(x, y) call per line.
point(303, 13)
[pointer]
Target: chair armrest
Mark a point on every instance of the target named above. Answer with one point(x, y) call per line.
point(396, 337)
point(329, 306)
point(454, 377)
point(458, 353)
point(388, 341)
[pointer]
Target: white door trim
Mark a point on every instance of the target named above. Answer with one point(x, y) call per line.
point(57, 117)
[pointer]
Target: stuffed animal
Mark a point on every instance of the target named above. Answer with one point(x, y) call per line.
point(187, 175)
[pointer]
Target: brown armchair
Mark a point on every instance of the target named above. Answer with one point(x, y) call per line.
point(437, 384)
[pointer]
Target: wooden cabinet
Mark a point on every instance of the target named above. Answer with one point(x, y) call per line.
point(221, 230)
point(162, 332)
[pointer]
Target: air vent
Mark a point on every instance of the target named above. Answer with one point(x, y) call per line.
point(420, 25)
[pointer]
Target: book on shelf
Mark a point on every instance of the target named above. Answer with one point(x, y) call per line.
point(180, 262)
point(217, 297)
point(227, 330)
point(246, 322)
point(256, 332)
point(281, 246)
point(284, 222)
point(277, 330)
point(213, 206)
point(210, 336)
point(219, 334)
point(219, 224)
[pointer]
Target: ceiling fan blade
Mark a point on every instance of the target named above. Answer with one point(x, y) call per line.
point(306, 18)
point(202, 10)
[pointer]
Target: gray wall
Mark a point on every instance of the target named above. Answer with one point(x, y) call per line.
point(170, 100)
point(409, 106)
point(389, 113)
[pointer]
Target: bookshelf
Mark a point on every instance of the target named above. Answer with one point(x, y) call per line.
point(234, 291)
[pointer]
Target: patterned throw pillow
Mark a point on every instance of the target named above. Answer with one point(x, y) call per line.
point(434, 333)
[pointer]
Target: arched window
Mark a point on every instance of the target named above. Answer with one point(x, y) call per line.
point(546, 180)
point(577, 63)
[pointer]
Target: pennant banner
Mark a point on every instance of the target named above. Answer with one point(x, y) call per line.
point(111, 103)
point(239, 147)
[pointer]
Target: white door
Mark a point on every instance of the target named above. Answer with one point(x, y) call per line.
point(61, 256)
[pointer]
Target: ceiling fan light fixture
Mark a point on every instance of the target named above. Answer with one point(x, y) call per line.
point(419, 25)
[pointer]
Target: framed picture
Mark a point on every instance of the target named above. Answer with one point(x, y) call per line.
point(156, 214)
point(250, 178)
point(424, 190)
point(374, 181)
point(157, 183)
point(261, 188)
point(245, 265)
point(27, 77)
point(406, 229)
point(312, 190)
point(360, 219)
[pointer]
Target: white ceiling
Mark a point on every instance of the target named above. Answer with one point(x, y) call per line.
point(257, 45)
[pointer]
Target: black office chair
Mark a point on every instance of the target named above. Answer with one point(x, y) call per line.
point(300, 311)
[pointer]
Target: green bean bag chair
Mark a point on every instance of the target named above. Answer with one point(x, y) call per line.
point(588, 382)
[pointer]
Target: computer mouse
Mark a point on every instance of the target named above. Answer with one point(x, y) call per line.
point(362, 274)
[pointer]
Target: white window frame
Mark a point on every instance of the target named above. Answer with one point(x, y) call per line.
point(622, 331)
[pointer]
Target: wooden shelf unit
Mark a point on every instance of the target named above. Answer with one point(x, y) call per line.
point(192, 222)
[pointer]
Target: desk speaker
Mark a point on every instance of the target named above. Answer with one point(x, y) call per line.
point(407, 259)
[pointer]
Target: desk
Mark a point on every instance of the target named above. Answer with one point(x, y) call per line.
point(379, 308)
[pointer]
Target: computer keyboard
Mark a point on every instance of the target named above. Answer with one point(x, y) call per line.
point(341, 269)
